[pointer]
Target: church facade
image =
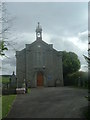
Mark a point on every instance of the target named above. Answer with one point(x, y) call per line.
point(39, 64)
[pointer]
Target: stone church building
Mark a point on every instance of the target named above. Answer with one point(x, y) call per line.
point(39, 64)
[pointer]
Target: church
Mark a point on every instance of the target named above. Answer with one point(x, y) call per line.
point(39, 64)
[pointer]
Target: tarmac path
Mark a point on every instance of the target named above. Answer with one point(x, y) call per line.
point(50, 102)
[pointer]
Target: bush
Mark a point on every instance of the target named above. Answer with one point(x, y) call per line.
point(73, 79)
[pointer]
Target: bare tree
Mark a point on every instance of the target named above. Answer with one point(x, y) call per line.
point(3, 29)
point(5, 25)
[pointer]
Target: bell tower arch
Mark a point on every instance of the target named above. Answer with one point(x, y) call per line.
point(39, 32)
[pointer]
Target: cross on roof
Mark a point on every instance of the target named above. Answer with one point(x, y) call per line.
point(38, 24)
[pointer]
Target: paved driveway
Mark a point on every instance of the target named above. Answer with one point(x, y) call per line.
point(51, 102)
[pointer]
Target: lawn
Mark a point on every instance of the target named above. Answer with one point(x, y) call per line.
point(0, 107)
point(7, 101)
point(5, 79)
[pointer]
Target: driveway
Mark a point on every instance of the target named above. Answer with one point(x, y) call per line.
point(50, 102)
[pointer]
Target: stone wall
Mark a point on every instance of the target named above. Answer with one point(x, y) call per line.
point(39, 56)
point(21, 66)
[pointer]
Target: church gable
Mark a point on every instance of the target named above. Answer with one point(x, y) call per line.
point(39, 63)
point(39, 44)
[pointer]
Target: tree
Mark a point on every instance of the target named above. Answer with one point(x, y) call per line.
point(2, 48)
point(5, 26)
point(71, 63)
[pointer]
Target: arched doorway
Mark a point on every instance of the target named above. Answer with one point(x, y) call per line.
point(39, 79)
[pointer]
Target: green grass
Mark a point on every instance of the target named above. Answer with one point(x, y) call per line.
point(5, 79)
point(0, 79)
point(0, 107)
point(7, 101)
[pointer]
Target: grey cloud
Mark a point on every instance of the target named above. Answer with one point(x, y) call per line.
point(83, 36)
point(11, 61)
point(8, 69)
point(54, 17)
point(64, 44)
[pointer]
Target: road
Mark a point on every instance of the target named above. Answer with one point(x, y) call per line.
point(50, 102)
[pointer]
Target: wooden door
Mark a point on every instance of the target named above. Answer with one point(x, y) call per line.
point(39, 79)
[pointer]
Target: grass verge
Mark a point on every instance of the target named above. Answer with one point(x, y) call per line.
point(7, 101)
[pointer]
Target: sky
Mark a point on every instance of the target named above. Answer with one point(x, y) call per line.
point(64, 24)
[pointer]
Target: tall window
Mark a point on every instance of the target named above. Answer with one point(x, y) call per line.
point(43, 58)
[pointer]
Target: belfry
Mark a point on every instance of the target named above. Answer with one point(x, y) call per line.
point(38, 32)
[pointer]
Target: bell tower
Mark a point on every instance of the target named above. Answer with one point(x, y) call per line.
point(38, 32)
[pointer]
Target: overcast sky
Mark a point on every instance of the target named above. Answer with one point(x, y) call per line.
point(64, 24)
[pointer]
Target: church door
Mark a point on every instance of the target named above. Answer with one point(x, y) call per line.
point(39, 79)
